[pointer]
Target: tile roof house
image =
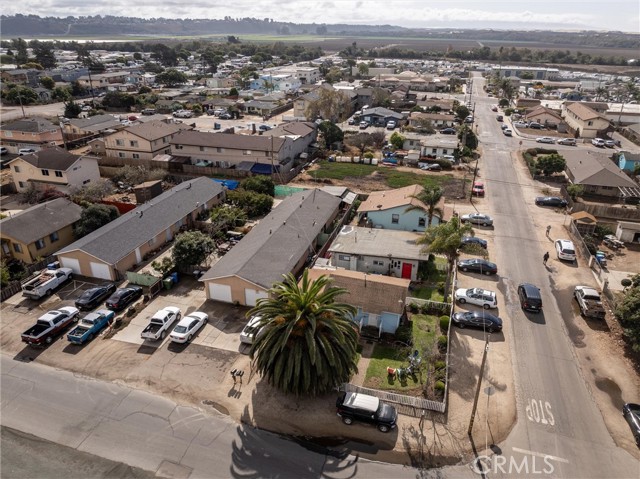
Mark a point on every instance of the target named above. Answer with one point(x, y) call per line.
point(388, 209)
point(121, 244)
point(39, 231)
point(54, 167)
point(544, 116)
point(228, 150)
point(380, 299)
point(281, 243)
point(586, 121)
point(378, 251)
point(143, 141)
point(36, 133)
point(597, 173)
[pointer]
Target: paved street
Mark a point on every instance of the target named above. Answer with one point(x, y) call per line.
point(556, 412)
point(155, 434)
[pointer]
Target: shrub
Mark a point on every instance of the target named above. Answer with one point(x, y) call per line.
point(414, 308)
point(439, 365)
point(442, 342)
point(439, 386)
point(444, 322)
point(441, 287)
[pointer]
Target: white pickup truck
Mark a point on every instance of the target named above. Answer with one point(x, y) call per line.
point(589, 302)
point(45, 282)
point(160, 323)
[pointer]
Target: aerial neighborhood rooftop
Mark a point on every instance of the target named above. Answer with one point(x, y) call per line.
point(309, 241)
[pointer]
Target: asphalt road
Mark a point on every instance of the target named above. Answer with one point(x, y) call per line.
point(83, 418)
point(556, 414)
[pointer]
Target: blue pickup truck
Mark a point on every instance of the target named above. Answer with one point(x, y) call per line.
point(90, 326)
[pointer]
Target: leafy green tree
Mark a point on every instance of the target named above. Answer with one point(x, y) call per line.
point(255, 204)
point(20, 94)
point(260, 184)
point(151, 67)
point(21, 54)
point(61, 93)
point(93, 217)
point(628, 312)
point(233, 91)
point(227, 217)
point(43, 51)
point(363, 69)
point(430, 197)
point(144, 89)
point(72, 109)
point(550, 164)
point(331, 133)
point(118, 100)
point(445, 239)
point(4, 274)
point(461, 112)
point(307, 343)
point(397, 140)
point(47, 82)
point(575, 191)
point(361, 141)
point(191, 248)
point(171, 77)
point(503, 103)
point(332, 105)
point(470, 138)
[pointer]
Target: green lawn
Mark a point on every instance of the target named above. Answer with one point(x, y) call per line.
point(430, 293)
point(394, 178)
point(424, 329)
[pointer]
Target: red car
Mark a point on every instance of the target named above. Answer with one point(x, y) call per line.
point(478, 189)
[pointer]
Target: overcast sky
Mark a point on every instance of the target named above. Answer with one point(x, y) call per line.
point(621, 15)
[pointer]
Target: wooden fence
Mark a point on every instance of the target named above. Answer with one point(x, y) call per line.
point(16, 286)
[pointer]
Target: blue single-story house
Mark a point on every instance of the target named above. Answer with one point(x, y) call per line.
point(380, 300)
point(388, 210)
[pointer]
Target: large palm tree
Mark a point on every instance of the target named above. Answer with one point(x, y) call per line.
point(307, 341)
point(430, 197)
point(445, 239)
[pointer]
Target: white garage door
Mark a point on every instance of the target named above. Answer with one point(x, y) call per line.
point(252, 295)
point(100, 270)
point(72, 263)
point(220, 292)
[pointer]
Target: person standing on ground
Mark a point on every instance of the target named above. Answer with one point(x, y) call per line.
point(548, 230)
point(545, 258)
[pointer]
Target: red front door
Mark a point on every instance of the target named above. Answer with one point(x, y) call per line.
point(406, 270)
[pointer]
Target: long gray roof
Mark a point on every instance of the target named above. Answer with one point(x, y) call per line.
point(41, 220)
point(123, 235)
point(54, 158)
point(276, 244)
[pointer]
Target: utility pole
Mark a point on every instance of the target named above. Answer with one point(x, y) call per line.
point(475, 401)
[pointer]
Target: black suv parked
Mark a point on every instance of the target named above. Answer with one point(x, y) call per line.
point(530, 299)
point(361, 407)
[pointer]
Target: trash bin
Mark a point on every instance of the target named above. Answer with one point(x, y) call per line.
point(167, 283)
point(174, 277)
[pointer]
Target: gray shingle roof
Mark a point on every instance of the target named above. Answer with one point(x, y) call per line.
point(51, 159)
point(123, 235)
point(595, 169)
point(31, 125)
point(154, 130)
point(41, 220)
point(276, 244)
point(227, 140)
point(95, 123)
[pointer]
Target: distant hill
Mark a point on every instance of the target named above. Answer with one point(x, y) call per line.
point(28, 26)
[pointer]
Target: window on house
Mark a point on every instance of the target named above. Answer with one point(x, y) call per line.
point(378, 262)
point(152, 241)
point(344, 257)
point(120, 142)
point(395, 219)
point(133, 143)
point(21, 184)
point(434, 150)
point(422, 222)
point(59, 174)
point(40, 243)
point(219, 150)
point(246, 152)
point(53, 237)
point(16, 169)
point(85, 182)
point(17, 248)
point(202, 148)
point(136, 156)
point(590, 123)
point(120, 154)
point(178, 147)
point(45, 172)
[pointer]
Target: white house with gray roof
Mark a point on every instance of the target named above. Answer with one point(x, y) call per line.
point(281, 243)
point(118, 246)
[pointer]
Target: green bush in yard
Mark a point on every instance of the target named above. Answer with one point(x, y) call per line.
point(439, 365)
point(442, 342)
point(444, 322)
point(439, 386)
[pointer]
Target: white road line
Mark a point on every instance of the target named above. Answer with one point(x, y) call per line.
point(539, 454)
